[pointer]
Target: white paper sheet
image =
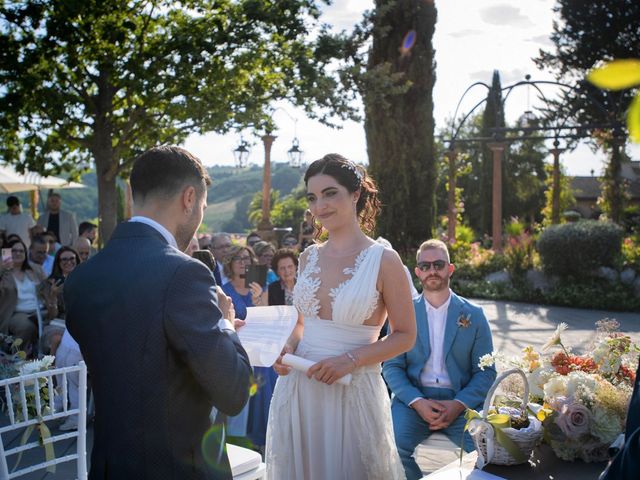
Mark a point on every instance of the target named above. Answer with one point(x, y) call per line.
point(303, 365)
point(266, 331)
point(462, 474)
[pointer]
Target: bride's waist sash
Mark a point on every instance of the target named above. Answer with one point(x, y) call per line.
point(325, 338)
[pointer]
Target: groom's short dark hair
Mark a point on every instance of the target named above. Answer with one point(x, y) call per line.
point(164, 171)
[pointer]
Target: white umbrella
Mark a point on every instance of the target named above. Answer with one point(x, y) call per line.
point(11, 181)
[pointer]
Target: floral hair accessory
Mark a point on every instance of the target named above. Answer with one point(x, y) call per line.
point(464, 320)
point(352, 167)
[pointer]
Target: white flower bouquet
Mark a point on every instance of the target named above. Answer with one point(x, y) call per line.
point(581, 400)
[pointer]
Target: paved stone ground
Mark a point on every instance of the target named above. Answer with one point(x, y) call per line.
point(514, 326)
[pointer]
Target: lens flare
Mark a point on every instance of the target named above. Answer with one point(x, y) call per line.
point(408, 42)
point(214, 448)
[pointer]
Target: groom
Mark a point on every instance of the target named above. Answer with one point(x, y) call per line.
point(439, 378)
point(155, 334)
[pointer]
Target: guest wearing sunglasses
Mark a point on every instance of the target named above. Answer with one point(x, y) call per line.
point(439, 377)
point(66, 260)
point(237, 258)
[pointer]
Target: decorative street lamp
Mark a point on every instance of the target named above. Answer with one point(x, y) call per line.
point(241, 154)
point(295, 154)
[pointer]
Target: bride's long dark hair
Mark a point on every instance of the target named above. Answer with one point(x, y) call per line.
point(354, 178)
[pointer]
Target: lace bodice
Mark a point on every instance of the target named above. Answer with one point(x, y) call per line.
point(345, 292)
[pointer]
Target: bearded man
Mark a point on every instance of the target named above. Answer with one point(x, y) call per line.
point(435, 381)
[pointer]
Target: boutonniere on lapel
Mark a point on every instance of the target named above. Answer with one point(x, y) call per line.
point(464, 320)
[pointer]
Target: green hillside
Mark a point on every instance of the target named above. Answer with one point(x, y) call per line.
point(228, 197)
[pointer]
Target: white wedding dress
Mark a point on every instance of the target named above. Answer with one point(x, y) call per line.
point(330, 432)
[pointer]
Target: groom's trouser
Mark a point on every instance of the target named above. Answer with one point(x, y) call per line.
point(410, 429)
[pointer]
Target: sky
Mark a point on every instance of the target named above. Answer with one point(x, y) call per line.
point(472, 38)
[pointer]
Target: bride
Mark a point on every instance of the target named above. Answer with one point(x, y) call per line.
point(346, 288)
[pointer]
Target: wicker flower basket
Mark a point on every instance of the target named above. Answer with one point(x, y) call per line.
point(484, 435)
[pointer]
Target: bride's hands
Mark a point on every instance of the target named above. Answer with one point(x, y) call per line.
point(331, 369)
point(279, 367)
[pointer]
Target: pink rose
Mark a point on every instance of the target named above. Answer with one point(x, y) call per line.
point(574, 419)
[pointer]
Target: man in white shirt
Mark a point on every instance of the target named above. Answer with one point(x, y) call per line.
point(435, 381)
point(15, 221)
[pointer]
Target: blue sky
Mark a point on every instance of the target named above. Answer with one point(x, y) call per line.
point(472, 39)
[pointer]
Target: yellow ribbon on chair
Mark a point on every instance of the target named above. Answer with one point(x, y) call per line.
point(494, 423)
point(45, 433)
point(49, 453)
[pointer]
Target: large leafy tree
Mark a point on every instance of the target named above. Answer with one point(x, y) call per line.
point(95, 82)
point(585, 34)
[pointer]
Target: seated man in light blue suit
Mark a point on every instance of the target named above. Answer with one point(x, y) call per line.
point(434, 382)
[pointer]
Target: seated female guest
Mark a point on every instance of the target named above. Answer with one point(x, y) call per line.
point(64, 263)
point(280, 292)
point(243, 297)
point(20, 295)
point(285, 264)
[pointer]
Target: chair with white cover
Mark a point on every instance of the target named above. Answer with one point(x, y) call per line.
point(245, 464)
point(23, 394)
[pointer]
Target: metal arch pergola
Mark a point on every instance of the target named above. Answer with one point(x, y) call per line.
point(499, 140)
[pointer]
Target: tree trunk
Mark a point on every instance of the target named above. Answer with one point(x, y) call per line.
point(399, 120)
point(614, 192)
point(107, 196)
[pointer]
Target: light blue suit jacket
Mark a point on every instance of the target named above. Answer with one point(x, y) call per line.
point(463, 347)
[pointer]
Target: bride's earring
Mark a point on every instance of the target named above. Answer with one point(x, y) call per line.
point(188, 211)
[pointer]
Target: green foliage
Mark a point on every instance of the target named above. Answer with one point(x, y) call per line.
point(478, 262)
point(289, 212)
point(576, 249)
point(524, 180)
point(582, 40)
point(514, 228)
point(254, 212)
point(461, 248)
point(567, 200)
point(519, 254)
point(631, 252)
point(86, 82)
point(594, 293)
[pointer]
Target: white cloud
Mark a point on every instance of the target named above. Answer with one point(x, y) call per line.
point(543, 40)
point(504, 15)
point(506, 77)
point(467, 32)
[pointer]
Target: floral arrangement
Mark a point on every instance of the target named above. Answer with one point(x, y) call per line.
point(582, 399)
point(13, 364)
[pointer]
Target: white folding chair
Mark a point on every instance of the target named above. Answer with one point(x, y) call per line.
point(16, 390)
point(245, 464)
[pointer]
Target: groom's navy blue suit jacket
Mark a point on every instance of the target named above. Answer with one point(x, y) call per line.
point(145, 316)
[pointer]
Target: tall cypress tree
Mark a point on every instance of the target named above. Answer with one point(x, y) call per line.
point(492, 117)
point(399, 124)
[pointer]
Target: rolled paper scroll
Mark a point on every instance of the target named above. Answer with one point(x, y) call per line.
point(302, 364)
